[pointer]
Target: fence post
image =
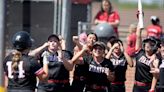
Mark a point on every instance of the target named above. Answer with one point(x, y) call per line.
point(2, 47)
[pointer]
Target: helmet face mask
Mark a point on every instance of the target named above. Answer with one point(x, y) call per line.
point(21, 40)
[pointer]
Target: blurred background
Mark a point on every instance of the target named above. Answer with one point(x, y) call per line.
point(70, 17)
point(43, 17)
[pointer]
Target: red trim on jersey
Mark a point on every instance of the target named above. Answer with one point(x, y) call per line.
point(40, 71)
point(141, 83)
point(117, 83)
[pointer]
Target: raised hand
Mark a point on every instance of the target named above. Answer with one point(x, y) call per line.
point(75, 39)
point(121, 46)
point(114, 46)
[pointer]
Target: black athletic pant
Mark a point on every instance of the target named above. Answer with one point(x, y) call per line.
point(54, 88)
point(117, 88)
point(78, 86)
point(140, 88)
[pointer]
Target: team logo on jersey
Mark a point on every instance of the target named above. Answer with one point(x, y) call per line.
point(98, 69)
point(117, 62)
point(144, 60)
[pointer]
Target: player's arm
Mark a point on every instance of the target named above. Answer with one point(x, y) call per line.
point(138, 39)
point(66, 61)
point(6, 82)
point(155, 64)
point(108, 55)
point(110, 75)
point(76, 41)
point(115, 23)
point(42, 75)
point(45, 63)
point(117, 20)
point(62, 42)
point(67, 64)
point(78, 54)
point(38, 50)
point(75, 51)
point(5, 72)
point(97, 21)
point(127, 57)
point(40, 72)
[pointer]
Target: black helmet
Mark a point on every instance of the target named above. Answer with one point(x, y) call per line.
point(21, 40)
point(152, 39)
point(154, 20)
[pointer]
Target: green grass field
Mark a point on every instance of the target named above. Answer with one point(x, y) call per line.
point(135, 5)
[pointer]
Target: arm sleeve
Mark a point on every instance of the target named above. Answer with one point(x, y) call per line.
point(45, 56)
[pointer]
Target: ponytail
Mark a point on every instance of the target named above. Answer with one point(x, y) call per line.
point(15, 60)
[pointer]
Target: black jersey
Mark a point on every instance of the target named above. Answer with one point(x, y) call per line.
point(161, 74)
point(56, 67)
point(82, 68)
point(96, 72)
point(25, 76)
point(143, 64)
point(56, 71)
point(120, 67)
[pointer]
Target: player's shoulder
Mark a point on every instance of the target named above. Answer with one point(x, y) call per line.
point(8, 57)
point(100, 13)
point(28, 59)
point(107, 61)
point(45, 53)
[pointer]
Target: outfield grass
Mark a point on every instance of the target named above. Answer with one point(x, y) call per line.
point(132, 6)
point(135, 5)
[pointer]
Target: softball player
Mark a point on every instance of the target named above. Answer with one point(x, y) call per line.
point(80, 71)
point(120, 59)
point(145, 59)
point(100, 69)
point(58, 67)
point(20, 69)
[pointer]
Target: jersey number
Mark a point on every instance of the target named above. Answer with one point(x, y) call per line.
point(20, 70)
